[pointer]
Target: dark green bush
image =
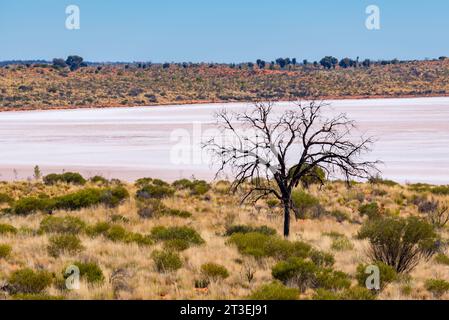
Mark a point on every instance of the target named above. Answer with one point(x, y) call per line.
point(154, 192)
point(438, 287)
point(306, 204)
point(332, 280)
point(321, 259)
point(249, 229)
point(70, 225)
point(67, 177)
point(296, 271)
point(66, 243)
point(31, 205)
point(27, 281)
point(166, 261)
point(196, 187)
point(400, 242)
point(214, 271)
point(99, 180)
point(440, 190)
point(89, 271)
point(117, 233)
point(177, 244)
point(260, 245)
point(274, 291)
point(5, 251)
point(143, 182)
point(357, 293)
point(370, 210)
point(176, 233)
point(113, 197)
point(387, 274)
point(7, 228)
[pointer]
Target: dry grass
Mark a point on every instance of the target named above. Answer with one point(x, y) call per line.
point(134, 267)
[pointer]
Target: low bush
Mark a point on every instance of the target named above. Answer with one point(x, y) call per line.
point(342, 244)
point(70, 225)
point(66, 243)
point(357, 293)
point(154, 192)
point(332, 280)
point(295, 271)
point(260, 246)
point(400, 242)
point(321, 259)
point(214, 271)
point(340, 216)
point(5, 251)
point(196, 187)
point(7, 229)
point(440, 190)
point(117, 233)
point(29, 205)
point(166, 261)
point(89, 271)
point(153, 208)
point(177, 244)
point(67, 177)
point(274, 291)
point(113, 197)
point(99, 180)
point(438, 287)
point(387, 274)
point(306, 204)
point(202, 283)
point(249, 229)
point(27, 281)
point(176, 233)
point(370, 210)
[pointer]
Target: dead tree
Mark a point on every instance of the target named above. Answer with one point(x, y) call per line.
point(269, 154)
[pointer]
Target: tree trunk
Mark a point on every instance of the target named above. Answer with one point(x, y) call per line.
point(286, 218)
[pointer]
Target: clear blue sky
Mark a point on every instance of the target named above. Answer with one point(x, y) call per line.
point(222, 30)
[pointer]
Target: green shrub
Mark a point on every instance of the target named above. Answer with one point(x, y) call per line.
point(249, 229)
point(324, 295)
point(27, 281)
point(31, 205)
point(153, 208)
point(177, 245)
point(357, 293)
point(89, 271)
point(387, 274)
point(442, 259)
point(438, 287)
point(296, 271)
point(154, 192)
point(440, 190)
point(117, 233)
point(6, 228)
point(332, 280)
point(166, 261)
point(385, 182)
point(143, 182)
point(260, 245)
point(70, 225)
point(100, 228)
point(113, 197)
point(321, 259)
point(274, 291)
point(176, 233)
point(78, 200)
point(306, 204)
point(66, 243)
point(5, 251)
point(214, 271)
point(370, 210)
point(4, 198)
point(273, 203)
point(342, 244)
point(67, 177)
point(99, 180)
point(400, 243)
point(196, 187)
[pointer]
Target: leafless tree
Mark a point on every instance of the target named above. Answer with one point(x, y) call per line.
point(269, 154)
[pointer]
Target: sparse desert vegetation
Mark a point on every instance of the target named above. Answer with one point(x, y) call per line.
point(222, 249)
point(73, 84)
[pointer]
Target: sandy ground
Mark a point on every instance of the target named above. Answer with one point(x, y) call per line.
point(164, 142)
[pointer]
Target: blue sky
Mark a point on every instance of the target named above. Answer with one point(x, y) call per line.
point(222, 30)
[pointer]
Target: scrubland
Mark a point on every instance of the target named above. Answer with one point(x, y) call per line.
point(194, 240)
point(45, 87)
